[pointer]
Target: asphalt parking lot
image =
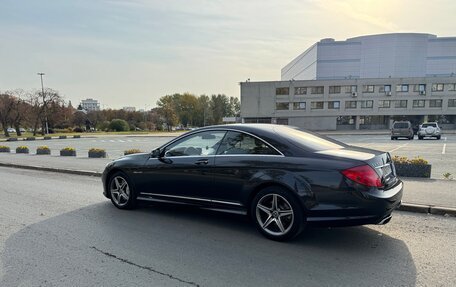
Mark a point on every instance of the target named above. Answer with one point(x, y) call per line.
point(440, 153)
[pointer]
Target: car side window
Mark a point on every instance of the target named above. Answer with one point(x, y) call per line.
point(240, 143)
point(198, 144)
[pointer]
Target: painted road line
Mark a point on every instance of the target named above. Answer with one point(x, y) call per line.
point(401, 146)
point(444, 149)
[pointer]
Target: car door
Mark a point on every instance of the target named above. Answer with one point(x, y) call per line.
point(183, 170)
point(241, 159)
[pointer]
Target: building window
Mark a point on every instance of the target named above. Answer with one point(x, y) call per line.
point(400, 104)
point(316, 105)
point(452, 103)
point(282, 91)
point(402, 88)
point(384, 104)
point(334, 105)
point(299, 106)
point(334, 89)
point(438, 87)
point(300, 90)
point(367, 104)
point(419, 88)
point(435, 103)
point(418, 103)
point(368, 88)
point(317, 90)
point(385, 89)
point(282, 106)
point(351, 89)
point(451, 87)
point(350, 104)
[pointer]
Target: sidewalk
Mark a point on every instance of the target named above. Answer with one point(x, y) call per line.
point(424, 193)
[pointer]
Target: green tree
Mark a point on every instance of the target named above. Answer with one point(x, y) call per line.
point(119, 125)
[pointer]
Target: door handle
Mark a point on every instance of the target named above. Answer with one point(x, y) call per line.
point(202, 161)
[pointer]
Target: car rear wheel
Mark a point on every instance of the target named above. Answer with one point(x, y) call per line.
point(121, 190)
point(277, 214)
point(438, 137)
point(420, 138)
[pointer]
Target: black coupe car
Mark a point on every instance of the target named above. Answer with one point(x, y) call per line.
point(283, 177)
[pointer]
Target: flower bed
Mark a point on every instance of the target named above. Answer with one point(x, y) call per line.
point(97, 153)
point(4, 148)
point(68, 151)
point(416, 167)
point(22, 149)
point(43, 150)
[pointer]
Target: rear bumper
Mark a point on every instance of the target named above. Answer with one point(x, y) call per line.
point(373, 207)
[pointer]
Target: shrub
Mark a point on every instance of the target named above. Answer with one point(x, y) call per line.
point(22, 149)
point(132, 151)
point(68, 151)
point(118, 125)
point(4, 148)
point(43, 150)
point(97, 153)
point(404, 160)
point(78, 130)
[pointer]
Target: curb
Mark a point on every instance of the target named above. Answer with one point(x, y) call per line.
point(409, 207)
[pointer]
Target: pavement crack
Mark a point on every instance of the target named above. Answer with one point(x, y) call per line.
point(144, 267)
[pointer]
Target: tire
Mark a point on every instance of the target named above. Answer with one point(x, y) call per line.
point(392, 138)
point(280, 221)
point(121, 191)
point(411, 138)
point(438, 137)
point(420, 138)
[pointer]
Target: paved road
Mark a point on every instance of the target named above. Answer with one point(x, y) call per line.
point(58, 230)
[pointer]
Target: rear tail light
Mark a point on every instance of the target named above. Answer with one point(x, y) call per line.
point(364, 175)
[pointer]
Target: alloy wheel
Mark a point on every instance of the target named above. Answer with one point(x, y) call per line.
point(120, 191)
point(274, 214)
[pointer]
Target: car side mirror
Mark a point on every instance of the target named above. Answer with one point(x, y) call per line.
point(157, 153)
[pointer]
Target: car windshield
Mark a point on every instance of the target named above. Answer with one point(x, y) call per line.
point(308, 140)
point(401, 125)
point(429, 125)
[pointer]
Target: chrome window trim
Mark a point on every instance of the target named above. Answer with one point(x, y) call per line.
point(191, 198)
point(226, 130)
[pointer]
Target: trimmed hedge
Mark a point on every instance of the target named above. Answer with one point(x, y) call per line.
point(43, 150)
point(62, 137)
point(22, 149)
point(132, 151)
point(77, 136)
point(30, 138)
point(47, 138)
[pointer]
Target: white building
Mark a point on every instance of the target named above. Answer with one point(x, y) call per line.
point(90, 105)
point(129, 109)
point(399, 55)
point(362, 83)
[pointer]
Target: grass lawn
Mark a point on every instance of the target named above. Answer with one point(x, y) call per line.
point(29, 134)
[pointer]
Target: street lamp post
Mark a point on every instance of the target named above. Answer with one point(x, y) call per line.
point(44, 103)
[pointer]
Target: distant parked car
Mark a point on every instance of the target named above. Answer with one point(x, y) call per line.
point(22, 130)
point(402, 129)
point(11, 130)
point(430, 129)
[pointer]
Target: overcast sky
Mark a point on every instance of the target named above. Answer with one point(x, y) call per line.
point(132, 52)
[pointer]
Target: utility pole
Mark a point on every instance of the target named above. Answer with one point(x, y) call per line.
point(44, 103)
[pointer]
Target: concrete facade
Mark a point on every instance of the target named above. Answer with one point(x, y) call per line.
point(90, 105)
point(395, 55)
point(350, 103)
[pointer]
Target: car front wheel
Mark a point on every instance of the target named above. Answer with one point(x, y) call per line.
point(122, 195)
point(277, 214)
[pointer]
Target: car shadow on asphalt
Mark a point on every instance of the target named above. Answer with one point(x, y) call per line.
point(98, 244)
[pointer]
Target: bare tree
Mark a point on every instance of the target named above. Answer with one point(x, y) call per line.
point(6, 108)
point(42, 106)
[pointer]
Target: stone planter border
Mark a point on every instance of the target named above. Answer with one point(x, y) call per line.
point(413, 170)
point(65, 152)
point(30, 138)
point(47, 138)
point(11, 140)
point(97, 154)
point(62, 137)
point(43, 151)
point(22, 149)
point(5, 149)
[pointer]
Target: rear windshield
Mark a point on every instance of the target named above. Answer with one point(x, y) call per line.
point(308, 140)
point(401, 125)
point(429, 125)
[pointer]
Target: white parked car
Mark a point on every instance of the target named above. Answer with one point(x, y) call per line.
point(430, 129)
point(11, 130)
